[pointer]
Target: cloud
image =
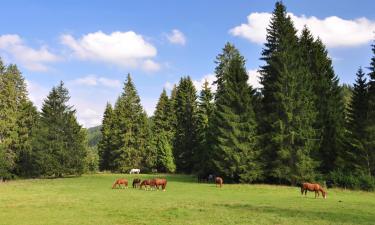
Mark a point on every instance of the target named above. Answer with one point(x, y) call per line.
point(334, 31)
point(176, 37)
point(37, 93)
point(32, 59)
point(125, 49)
point(254, 78)
point(198, 84)
point(92, 80)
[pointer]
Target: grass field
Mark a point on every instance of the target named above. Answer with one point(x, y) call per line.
point(90, 200)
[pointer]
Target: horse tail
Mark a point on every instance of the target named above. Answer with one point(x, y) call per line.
point(114, 184)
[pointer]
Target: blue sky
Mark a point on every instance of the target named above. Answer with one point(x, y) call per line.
point(92, 45)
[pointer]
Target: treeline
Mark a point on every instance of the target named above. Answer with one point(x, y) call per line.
point(49, 143)
point(297, 127)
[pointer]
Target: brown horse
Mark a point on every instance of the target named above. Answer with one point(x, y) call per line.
point(120, 182)
point(160, 182)
point(219, 181)
point(313, 187)
point(150, 183)
point(136, 182)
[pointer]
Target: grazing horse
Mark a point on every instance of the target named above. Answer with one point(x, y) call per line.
point(136, 182)
point(313, 187)
point(160, 182)
point(150, 183)
point(137, 171)
point(219, 181)
point(120, 182)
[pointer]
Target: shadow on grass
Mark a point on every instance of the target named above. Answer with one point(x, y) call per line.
point(333, 217)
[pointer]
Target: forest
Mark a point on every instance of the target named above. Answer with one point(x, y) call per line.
point(302, 125)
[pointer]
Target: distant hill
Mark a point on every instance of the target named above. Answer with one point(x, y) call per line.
point(94, 135)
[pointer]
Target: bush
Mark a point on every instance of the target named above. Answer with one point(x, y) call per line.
point(351, 180)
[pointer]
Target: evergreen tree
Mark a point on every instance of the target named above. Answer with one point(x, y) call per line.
point(204, 114)
point(105, 145)
point(370, 128)
point(162, 135)
point(130, 130)
point(233, 123)
point(328, 101)
point(185, 140)
point(60, 142)
point(359, 158)
point(288, 105)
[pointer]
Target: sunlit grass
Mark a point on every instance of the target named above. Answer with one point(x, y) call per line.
point(90, 200)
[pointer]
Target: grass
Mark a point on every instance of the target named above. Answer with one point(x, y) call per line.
point(90, 200)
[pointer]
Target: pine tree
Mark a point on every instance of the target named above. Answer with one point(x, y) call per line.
point(359, 158)
point(328, 101)
point(233, 123)
point(130, 130)
point(60, 142)
point(204, 114)
point(370, 128)
point(105, 145)
point(288, 106)
point(185, 140)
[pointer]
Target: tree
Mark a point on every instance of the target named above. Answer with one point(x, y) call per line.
point(105, 145)
point(359, 158)
point(204, 114)
point(162, 130)
point(233, 123)
point(370, 128)
point(185, 140)
point(130, 131)
point(60, 142)
point(288, 106)
point(328, 102)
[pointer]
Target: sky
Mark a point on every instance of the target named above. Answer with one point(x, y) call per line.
point(92, 45)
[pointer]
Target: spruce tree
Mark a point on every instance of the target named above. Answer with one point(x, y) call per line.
point(370, 128)
point(328, 102)
point(204, 114)
point(185, 141)
point(288, 105)
point(358, 157)
point(60, 142)
point(162, 135)
point(130, 131)
point(233, 126)
point(105, 145)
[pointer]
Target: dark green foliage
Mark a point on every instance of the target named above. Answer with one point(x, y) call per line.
point(204, 115)
point(288, 136)
point(60, 142)
point(328, 102)
point(91, 160)
point(162, 132)
point(105, 145)
point(233, 126)
point(185, 141)
point(350, 180)
point(129, 145)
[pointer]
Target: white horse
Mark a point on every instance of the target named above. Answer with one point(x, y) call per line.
point(132, 171)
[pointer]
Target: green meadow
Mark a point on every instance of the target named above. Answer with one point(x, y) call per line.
point(89, 199)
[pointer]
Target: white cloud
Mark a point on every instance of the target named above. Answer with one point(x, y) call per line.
point(92, 80)
point(176, 37)
point(37, 93)
point(254, 78)
point(334, 31)
point(198, 84)
point(32, 59)
point(126, 49)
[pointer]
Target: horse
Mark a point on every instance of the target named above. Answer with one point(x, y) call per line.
point(150, 183)
point(219, 181)
point(313, 187)
point(136, 182)
point(132, 171)
point(120, 182)
point(160, 182)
